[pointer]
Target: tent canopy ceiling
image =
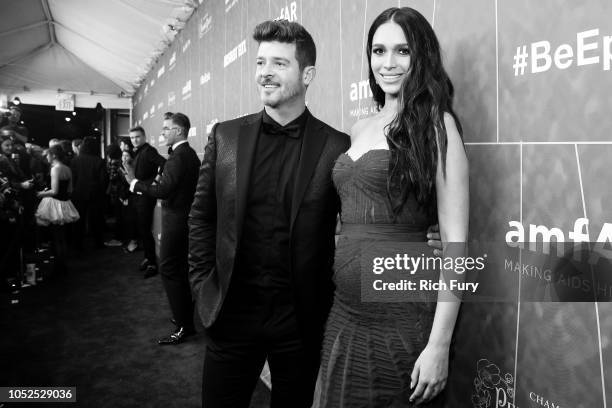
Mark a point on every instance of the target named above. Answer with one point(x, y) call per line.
point(102, 47)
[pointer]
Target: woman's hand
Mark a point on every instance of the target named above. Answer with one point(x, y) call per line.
point(128, 172)
point(429, 373)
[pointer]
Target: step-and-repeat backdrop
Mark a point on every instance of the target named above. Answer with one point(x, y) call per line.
point(534, 94)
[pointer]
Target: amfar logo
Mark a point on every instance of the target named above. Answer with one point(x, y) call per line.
point(160, 105)
point(491, 389)
point(205, 24)
point(360, 90)
point(229, 4)
point(187, 89)
point(161, 71)
point(172, 61)
point(171, 98)
point(186, 45)
point(289, 12)
point(204, 78)
point(580, 236)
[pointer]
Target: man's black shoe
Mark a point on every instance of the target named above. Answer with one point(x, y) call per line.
point(150, 271)
point(177, 337)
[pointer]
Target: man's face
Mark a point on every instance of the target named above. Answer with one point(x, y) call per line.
point(137, 138)
point(7, 147)
point(171, 132)
point(278, 75)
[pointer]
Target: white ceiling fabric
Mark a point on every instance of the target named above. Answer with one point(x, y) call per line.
point(87, 47)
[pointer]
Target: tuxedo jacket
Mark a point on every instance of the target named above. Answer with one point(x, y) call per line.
point(178, 181)
point(217, 216)
point(89, 178)
point(147, 163)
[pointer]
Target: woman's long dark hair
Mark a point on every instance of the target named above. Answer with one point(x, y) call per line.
point(425, 95)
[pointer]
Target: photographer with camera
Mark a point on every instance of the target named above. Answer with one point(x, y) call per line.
point(13, 185)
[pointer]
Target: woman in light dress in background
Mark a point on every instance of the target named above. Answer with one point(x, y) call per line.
point(55, 209)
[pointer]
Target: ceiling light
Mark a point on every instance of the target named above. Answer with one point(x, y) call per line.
point(67, 119)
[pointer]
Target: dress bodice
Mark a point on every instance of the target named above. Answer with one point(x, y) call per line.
point(62, 193)
point(362, 187)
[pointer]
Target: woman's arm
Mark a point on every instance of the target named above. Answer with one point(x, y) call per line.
point(452, 190)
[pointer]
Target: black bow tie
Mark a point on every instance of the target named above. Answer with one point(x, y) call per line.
point(170, 150)
point(292, 130)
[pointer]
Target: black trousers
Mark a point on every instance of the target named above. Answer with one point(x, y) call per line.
point(144, 218)
point(173, 265)
point(91, 214)
point(128, 216)
point(237, 348)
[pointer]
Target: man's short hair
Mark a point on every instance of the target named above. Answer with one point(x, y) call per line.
point(138, 129)
point(168, 115)
point(182, 121)
point(286, 31)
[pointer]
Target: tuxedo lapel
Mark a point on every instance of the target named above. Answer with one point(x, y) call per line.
point(312, 146)
point(247, 141)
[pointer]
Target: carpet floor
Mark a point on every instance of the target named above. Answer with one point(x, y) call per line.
point(95, 328)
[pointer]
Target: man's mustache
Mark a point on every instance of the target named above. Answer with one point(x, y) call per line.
point(267, 82)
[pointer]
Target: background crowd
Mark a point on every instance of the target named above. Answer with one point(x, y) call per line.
point(94, 185)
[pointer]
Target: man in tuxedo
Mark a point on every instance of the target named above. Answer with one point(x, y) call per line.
point(261, 232)
point(176, 189)
point(148, 163)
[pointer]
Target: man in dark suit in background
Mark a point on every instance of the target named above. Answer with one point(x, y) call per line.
point(148, 163)
point(176, 189)
point(89, 182)
point(261, 233)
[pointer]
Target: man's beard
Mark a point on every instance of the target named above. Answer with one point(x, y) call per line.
point(292, 93)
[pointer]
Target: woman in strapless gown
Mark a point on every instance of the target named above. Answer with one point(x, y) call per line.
point(405, 170)
point(55, 209)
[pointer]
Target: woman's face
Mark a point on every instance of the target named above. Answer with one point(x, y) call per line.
point(390, 59)
point(125, 157)
point(49, 156)
point(7, 147)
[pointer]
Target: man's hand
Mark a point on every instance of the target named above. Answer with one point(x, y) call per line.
point(434, 240)
point(28, 184)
